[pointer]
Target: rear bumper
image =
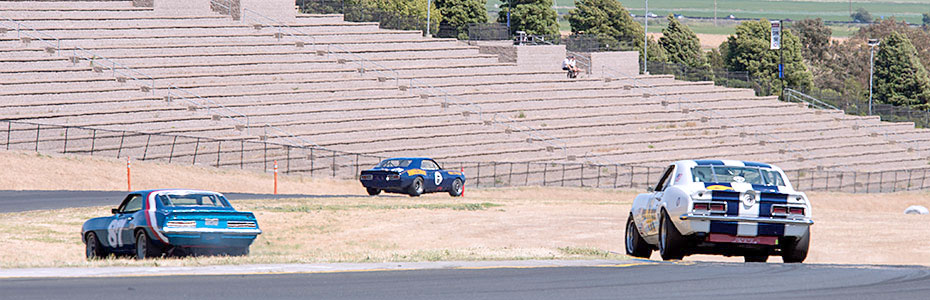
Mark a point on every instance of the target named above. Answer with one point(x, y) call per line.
point(691, 217)
point(383, 184)
point(211, 237)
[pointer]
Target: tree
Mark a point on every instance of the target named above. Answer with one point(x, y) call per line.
point(533, 16)
point(861, 16)
point(748, 50)
point(458, 13)
point(606, 18)
point(681, 45)
point(815, 38)
point(900, 79)
point(393, 14)
point(926, 19)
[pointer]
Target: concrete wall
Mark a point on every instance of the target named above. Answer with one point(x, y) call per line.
point(504, 50)
point(282, 10)
point(620, 63)
point(540, 57)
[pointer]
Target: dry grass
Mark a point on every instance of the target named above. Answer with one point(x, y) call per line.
point(487, 224)
point(501, 224)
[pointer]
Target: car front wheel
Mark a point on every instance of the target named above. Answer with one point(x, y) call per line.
point(635, 244)
point(93, 248)
point(457, 188)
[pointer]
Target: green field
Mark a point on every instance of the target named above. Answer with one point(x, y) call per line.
point(830, 10)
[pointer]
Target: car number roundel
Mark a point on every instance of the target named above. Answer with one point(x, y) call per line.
point(438, 177)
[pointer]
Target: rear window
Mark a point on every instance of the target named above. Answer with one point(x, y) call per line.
point(752, 175)
point(210, 200)
point(395, 163)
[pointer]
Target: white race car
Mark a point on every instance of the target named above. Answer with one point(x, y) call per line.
point(726, 207)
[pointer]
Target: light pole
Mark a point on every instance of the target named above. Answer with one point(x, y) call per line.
point(646, 39)
point(428, 4)
point(872, 44)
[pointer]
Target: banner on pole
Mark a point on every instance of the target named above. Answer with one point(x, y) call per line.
point(776, 35)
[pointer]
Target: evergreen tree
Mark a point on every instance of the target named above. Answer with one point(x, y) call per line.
point(458, 13)
point(533, 16)
point(606, 18)
point(900, 79)
point(748, 50)
point(681, 45)
point(926, 19)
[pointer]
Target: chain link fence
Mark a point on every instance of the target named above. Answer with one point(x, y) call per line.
point(261, 155)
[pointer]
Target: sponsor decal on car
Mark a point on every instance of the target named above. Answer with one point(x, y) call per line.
point(412, 172)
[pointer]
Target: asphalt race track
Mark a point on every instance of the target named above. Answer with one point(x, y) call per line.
point(14, 201)
point(650, 281)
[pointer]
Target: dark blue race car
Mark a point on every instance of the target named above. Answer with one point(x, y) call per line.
point(152, 223)
point(412, 176)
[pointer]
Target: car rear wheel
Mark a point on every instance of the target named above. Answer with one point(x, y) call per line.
point(416, 188)
point(457, 188)
point(144, 246)
point(373, 191)
point(92, 247)
point(635, 244)
point(670, 240)
point(795, 251)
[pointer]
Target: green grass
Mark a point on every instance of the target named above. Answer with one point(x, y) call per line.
point(909, 10)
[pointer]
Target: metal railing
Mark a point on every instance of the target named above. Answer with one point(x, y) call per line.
point(319, 162)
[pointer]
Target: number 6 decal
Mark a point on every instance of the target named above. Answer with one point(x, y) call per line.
point(438, 178)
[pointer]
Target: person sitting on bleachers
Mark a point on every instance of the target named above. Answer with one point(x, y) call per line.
point(569, 65)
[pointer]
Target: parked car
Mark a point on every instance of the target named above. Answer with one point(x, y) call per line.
point(153, 223)
point(725, 207)
point(412, 176)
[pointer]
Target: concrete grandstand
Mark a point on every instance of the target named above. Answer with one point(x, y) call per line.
point(89, 72)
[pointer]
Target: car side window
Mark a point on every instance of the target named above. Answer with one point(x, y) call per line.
point(429, 165)
point(666, 179)
point(132, 204)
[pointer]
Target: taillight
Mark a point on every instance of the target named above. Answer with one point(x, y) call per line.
point(393, 177)
point(796, 211)
point(701, 206)
point(181, 224)
point(718, 207)
point(779, 210)
point(366, 177)
point(240, 224)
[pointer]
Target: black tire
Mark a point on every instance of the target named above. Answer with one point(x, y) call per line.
point(757, 258)
point(373, 191)
point(636, 246)
point(457, 188)
point(795, 251)
point(670, 240)
point(416, 187)
point(144, 246)
point(92, 247)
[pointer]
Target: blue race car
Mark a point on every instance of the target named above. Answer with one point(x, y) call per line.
point(153, 223)
point(412, 176)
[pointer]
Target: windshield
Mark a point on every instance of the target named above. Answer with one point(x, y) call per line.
point(395, 163)
point(193, 199)
point(752, 175)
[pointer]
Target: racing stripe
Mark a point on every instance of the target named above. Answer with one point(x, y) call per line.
point(756, 164)
point(150, 218)
point(726, 227)
point(709, 162)
point(771, 229)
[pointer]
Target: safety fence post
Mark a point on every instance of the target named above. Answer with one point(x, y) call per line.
point(545, 170)
point(219, 151)
point(145, 151)
point(37, 138)
point(121, 138)
point(196, 147)
point(171, 155)
point(334, 163)
point(64, 149)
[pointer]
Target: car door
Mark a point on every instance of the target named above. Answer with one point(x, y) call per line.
point(434, 177)
point(119, 231)
point(655, 201)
